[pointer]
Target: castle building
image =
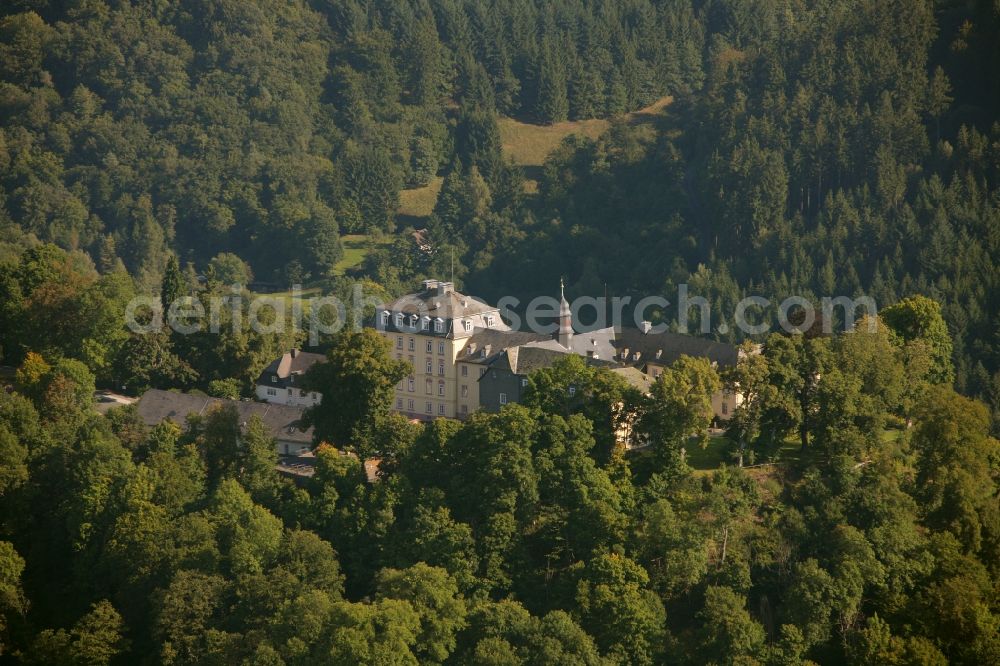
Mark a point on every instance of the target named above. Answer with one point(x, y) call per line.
point(448, 339)
point(452, 341)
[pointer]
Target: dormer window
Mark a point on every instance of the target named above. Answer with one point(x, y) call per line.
point(413, 321)
point(489, 320)
point(467, 324)
point(438, 325)
point(274, 379)
point(399, 319)
point(385, 317)
point(425, 323)
point(659, 353)
point(635, 356)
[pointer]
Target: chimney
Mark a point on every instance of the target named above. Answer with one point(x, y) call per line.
point(646, 327)
point(295, 352)
point(445, 288)
point(428, 285)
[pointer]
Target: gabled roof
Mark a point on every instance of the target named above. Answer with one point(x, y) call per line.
point(665, 348)
point(525, 359)
point(291, 363)
point(282, 421)
point(635, 377)
point(494, 342)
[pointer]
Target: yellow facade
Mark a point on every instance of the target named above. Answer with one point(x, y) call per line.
point(432, 390)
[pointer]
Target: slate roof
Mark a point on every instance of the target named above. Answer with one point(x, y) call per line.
point(635, 377)
point(291, 364)
point(437, 300)
point(525, 359)
point(494, 342)
point(665, 348)
point(282, 421)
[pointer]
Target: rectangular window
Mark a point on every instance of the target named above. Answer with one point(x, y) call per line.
point(465, 391)
point(427, 387)
point(274, 379)
point(441, 409)
point(524, 381)
point(430, 346)
point(482, 371)
point(438, 325)
point(399, 403)
point(409, 384)
point(430, 366)
point(465, 371)
point(399, 319)
point(399, 342)
point(503, 398)
point(302, 393)
point(467, 324)
point(489, 320)
point(725, 408)
point(440, 388)
point(409, 404)
point(429, 408)
point(385, 317)
point(441, 368)
point(425, 323)
point(440, 348)
point(272, 391)
point(411, 344)
point(572, 390)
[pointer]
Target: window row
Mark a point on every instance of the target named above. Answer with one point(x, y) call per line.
point(411, 345)
point(428, 406)
point(412, 320)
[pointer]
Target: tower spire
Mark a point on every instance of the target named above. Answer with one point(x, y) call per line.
point(565, 318)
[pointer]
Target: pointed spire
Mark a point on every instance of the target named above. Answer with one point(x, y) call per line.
point(565, 318)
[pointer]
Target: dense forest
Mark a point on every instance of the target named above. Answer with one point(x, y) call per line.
point(174, 148)
point(830, 148)
point(524, 537)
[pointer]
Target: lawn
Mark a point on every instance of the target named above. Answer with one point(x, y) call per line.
point(417, 204)
point(355, 251)
point(529, 145)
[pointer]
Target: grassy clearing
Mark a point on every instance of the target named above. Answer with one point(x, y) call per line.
point(711, 457)
point(530, 145)
point(419, 202)
point(355, 251)
point(526, 144)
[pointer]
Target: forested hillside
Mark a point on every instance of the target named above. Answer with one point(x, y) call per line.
point(524, 537)
point(826, 149)
point(268, 128)
point(851, 512)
